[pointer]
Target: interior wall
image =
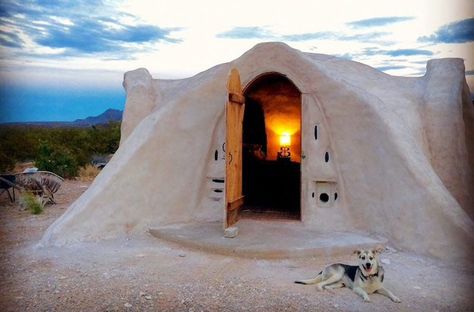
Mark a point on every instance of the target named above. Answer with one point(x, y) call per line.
point(281, 103)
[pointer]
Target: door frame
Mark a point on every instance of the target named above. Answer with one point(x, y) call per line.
point(237, 203)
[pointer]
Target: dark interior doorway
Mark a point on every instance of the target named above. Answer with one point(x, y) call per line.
point(271, 184)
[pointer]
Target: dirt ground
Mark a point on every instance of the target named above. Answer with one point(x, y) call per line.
point(145, 274)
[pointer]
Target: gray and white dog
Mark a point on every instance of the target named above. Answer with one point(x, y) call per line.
point(365, 278)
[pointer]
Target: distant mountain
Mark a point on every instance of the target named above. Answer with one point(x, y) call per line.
point(110, 115)
point(106, 117)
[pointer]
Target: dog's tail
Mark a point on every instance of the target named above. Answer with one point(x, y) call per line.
point(315, 280)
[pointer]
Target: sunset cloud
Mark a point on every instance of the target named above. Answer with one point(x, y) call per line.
point(379, 21)
point(77, 28)
point(456, 32)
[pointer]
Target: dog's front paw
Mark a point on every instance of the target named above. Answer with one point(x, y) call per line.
point(396, 299)
point(367, 299)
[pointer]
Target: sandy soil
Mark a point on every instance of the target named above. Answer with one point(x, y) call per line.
point(145, 274)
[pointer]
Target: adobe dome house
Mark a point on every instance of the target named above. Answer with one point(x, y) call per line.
point(332, 144)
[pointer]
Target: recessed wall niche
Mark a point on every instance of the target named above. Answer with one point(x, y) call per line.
point(325, 193)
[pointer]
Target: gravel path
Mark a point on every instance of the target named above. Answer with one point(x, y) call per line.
point(145, 274)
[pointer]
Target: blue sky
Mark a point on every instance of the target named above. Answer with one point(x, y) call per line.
point(64, 60)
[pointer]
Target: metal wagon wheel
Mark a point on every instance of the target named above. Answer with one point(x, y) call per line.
point(43, 183)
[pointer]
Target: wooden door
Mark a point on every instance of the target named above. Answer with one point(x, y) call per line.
point(234, 119)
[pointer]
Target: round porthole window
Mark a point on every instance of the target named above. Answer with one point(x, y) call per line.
point(324, 197)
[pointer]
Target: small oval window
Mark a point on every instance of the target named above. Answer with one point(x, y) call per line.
point(324, 197)
point(326, 157)
point(316, 132)
point(335, 196)
point(216, 155)
point(312, 195)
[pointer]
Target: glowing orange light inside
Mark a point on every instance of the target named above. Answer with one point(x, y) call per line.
point(285, 139)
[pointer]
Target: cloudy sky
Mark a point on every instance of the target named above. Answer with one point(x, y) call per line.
point(63, 60)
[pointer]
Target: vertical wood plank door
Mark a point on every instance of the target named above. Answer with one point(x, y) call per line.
point(234, 119)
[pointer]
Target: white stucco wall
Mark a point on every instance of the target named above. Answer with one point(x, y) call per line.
point(385, 136)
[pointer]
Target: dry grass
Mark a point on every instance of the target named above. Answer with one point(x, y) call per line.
point(88, 172)
point(34, 203)
point(20, 166)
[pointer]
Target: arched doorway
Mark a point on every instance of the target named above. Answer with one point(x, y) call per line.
point(271, 148)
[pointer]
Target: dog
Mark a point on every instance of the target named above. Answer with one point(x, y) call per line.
point(364, 279)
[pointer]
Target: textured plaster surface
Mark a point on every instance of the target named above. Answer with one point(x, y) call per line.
point(401, 153)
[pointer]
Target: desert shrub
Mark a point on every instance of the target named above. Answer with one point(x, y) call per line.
point(88, 172)
point(16, 144)
point(7, 163)
point(59, 149)
point(32, 203)
point(57, 159)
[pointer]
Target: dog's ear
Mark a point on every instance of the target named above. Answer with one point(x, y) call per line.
point(378, 250)
point(357, 252)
